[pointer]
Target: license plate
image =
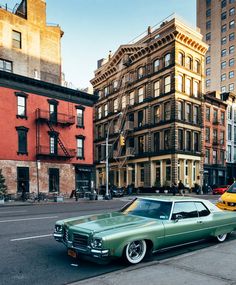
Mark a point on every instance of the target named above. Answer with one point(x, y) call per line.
point(72, 253)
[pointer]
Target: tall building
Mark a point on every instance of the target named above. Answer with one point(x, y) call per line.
point(149, 111)
point(28, 45)
point(216, 19)
point(46, 136)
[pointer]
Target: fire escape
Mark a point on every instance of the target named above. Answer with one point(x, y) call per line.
point(55, 148)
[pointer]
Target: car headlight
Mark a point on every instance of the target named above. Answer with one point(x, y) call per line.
point(96, 243)
point(58, 228)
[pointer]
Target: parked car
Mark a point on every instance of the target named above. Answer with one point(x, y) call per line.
point(143, 226)
point(228, 200)
point(117, 192)
point(219, 189)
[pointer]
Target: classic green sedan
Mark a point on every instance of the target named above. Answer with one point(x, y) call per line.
point(144, 226)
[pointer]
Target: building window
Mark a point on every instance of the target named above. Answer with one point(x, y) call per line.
point(106, 91)
point(156, 65)
point(21, 106)
point(215, 136)
point(123, 102)
point(222, 118)
point(231, 49)
point(140, 94)
point(223, 77)
point(232, 11)
point(196, 66)
point(231, 74)
point(80, 117)
point(208, 36)
point(215, 116)
point(53, 110)
point(189, 62)
point(167, 84)
point(53, 140)
point(167, 139)
point(180, 83)
point(80, 147)
point(207, 135)
point(156, 114)
point(188, 141)
point(5, 65)
point(207, 156)
point(188, 113)
point(141, 144)
point(140, 72)
point(230, 113)
point(223, 53)
point(223, 40)
point(156, 141)
point(223, 64)
point(167, 59)
point(214, 157)
point(188, 86)
point(140, 118)
point(131, 98)
point(223, 89)
point(168, 170)
point(229, 153)
point(180, 58)
point(232, 24)
point(222, 138)
point(196, 141)
point(195, 114)
point(229, 132)
point(22, 140)
point(223, 3)
point(54, 179)
point(223, 28)
point(231, 37)
point(231, 62)
point(157, 88)
point(180, 110)
point(208, 59)
point(231, 87)
point(180, 139)
point(208, 3)
point(208, 12)
point(99, 112)
point(208, 25)
point(223, 16)
point(208, 114)
point(106, 110)
point(167, 108)
point(195, 88)
point(116, 105)
point(208, 72)
point(231, 1)
point(16, 39)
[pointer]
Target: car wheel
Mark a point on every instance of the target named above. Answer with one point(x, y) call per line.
point(221, 238)
point(135, 251)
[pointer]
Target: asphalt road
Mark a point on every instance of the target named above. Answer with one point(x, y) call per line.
point(29, 254)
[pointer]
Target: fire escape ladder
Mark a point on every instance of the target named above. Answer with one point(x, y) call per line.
point(58, 140)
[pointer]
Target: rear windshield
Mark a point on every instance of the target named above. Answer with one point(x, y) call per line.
point(232, 188)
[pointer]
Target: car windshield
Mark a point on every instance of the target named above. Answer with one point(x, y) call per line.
point(232, 188)
point(149, 209)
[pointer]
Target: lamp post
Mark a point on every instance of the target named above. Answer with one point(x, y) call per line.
point(107, 196)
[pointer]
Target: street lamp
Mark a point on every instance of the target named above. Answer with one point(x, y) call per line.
point(107, 196)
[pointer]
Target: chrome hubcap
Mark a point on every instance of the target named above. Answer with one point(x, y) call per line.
point(135, 250)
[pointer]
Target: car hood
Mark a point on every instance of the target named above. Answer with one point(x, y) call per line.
point(229, 197)
point(105, 222)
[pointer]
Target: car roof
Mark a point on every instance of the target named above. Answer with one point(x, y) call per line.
point(170, 198)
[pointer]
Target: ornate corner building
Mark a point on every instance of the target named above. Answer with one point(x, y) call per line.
point(150, 109)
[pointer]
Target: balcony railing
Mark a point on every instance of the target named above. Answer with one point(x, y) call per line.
point(130, 151)
point(59, 118)
point(45, 151)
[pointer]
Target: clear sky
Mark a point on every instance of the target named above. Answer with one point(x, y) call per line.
point(93, 27)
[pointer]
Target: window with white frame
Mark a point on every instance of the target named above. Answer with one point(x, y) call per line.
point(131, 98)
point(99, 112)
point(140, 94)
point(195, 88)
point(188, 86)
point(231, 87)
point(80, 148)
point(116, 105)
point(106, 110)
point(157, 88)
point(167, 59)
point(6, 65)
point(167, 84)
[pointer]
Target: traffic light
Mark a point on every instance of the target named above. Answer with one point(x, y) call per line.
point(122, 140)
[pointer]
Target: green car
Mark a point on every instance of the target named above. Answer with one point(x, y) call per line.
point(144, 226)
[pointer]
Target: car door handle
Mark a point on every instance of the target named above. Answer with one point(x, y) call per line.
point(199, 222)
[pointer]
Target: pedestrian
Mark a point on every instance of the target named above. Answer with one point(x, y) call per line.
point(174, 188)
point(181, 188)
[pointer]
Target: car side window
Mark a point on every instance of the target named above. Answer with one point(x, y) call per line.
point(202, 209)
point(184, 210)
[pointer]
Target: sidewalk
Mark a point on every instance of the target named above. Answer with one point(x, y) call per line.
point(214, 265)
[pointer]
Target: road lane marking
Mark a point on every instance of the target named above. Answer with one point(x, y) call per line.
point(10, 212)
point(33, 237)
point(29, 219)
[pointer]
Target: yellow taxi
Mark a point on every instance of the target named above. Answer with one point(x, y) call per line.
point(228, 200)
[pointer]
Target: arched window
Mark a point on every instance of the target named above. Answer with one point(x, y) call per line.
point(156, 65)
point(140, 72)
point(189, 62)
point(180, 58)
point(167, 59)
point(167, 84)
point(180, 83)
point(196, 66)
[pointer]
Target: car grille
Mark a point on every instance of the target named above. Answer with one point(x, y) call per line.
point(231, 204)
point(65, 235)
point(80, 240)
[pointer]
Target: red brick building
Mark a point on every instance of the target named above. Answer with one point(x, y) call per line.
point(46, 136)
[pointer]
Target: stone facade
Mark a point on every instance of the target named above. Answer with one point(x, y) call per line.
point(28, 46)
